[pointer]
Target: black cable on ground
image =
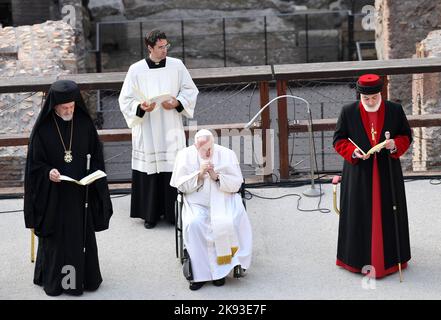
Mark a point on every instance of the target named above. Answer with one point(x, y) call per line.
point(251, 195)
point(11, 211)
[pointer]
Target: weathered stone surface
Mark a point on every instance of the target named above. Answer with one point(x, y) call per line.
point(426, 97)
point(100, 8)
point(81, 27)
point(400, 25)
point(11, 173)
point(202, 21)
point(46, 48)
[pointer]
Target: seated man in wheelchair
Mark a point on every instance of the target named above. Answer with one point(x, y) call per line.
point(217, 232)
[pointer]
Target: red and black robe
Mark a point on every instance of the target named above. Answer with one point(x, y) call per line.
point(367, 228)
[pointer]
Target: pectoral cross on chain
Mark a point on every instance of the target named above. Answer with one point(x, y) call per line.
point(373, 133)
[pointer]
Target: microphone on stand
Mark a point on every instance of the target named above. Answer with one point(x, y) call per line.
point(312, 191)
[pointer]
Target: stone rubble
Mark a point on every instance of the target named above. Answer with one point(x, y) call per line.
point(41, 49)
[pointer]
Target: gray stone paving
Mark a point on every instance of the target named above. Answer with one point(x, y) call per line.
point(294, 255)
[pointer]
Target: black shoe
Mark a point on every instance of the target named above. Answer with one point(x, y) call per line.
point(219, 282)
point(149, 225)
point(196, 285)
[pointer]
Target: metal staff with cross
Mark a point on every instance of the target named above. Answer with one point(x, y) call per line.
point(395, 209)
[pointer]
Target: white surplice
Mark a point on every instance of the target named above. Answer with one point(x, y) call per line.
point(203, 201)
point(158, 135)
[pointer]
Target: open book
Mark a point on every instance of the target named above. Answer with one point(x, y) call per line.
point(158, 99)
point(87, 179)
point(372, 150)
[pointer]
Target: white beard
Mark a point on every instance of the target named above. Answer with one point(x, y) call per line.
point(374, 108)
point(65, 118)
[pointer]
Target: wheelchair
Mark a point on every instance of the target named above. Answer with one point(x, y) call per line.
point(179, 238)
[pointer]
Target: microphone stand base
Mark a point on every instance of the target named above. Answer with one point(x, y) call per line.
point(312, 192)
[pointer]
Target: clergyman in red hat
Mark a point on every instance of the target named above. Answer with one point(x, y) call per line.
point(367, 237)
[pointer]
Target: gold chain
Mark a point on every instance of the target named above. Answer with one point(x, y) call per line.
point(67, 152)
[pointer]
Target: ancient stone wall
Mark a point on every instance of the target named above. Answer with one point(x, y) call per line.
point(400, 25)
point(245, 37)
point(40, 49)
point(426, 96)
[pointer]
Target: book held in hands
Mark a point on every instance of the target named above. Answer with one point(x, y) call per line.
point(159, 99)
point(87, 179)
point(376, 148)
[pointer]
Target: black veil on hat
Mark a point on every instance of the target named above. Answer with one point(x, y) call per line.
point(61, 91)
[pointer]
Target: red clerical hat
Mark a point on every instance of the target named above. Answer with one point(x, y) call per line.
point(369, 84)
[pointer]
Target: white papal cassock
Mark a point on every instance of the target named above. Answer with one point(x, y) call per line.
point(209, 208)
point(158, 135)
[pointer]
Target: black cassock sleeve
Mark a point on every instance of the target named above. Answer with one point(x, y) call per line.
point(40, 199)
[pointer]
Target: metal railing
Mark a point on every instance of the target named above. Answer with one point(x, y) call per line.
point(266, 77)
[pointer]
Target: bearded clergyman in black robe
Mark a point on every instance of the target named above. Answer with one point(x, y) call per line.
point(62, 137)
point(367, 234)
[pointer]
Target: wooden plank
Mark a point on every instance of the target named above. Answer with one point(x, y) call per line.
point(415, 121)
point(11, 140)
point(95, 81)
point(282, 115)
point(115, 135)
point(305, 71)
point(114, 80)
point(26, 83)
point(112, 135)
point(424, 120)
point(266, 125)
point(231, 74)
point(351, 69)
point(317, 125)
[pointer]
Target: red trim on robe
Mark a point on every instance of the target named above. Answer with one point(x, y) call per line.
point(377, 245)
point(402, 143)
point(377, 276)
point(377, 248)
point(345, 148)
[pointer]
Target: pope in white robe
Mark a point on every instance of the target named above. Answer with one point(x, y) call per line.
point(157, 128)
point(216, 229)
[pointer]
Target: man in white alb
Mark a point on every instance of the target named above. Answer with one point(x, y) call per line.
point(157, 92)
point(217, 232)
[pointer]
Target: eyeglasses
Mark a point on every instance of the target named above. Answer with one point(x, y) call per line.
point(167, 46)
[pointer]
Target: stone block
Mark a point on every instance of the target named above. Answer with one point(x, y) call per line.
point(426, 99)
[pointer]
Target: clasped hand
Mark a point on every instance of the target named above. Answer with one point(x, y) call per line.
point(170, 104)
point(208, 168)
point(148, 107)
